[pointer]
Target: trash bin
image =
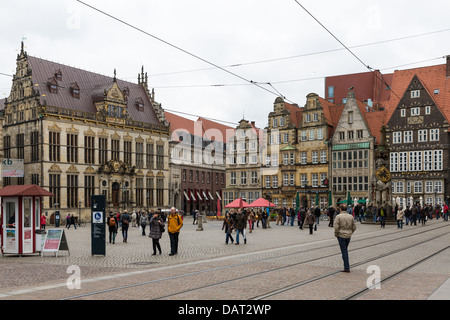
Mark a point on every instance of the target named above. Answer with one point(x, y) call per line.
point(40, 239)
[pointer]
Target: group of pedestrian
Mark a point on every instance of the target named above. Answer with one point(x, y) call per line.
point(235, 220)
point(155, 219)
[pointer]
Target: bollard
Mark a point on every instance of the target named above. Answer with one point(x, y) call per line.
point(200, 222)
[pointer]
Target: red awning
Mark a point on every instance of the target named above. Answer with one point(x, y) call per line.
point(238, 203)
point(24, 190)
point(261, 202)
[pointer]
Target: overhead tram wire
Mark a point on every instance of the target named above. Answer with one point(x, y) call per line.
point(176, 47)
point(347, 48)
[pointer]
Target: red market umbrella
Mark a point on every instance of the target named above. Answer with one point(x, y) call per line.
point(261, 202)
point(238, 203)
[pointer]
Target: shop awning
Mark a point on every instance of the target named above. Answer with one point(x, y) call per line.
point(218, 195)
point(198, 196)
point(210, 195)
point(186, 196)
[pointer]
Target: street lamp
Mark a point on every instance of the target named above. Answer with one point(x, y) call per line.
point(79, 211)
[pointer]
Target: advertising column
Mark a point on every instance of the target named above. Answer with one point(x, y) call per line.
point(98, 227)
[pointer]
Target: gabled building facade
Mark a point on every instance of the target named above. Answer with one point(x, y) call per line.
point(279, 177)
point(316, 127)
point(81, 134)
point(352, 152)
point(418, 135)
point(243, 167)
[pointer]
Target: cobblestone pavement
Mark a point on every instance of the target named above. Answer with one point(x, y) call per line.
point(44, 277)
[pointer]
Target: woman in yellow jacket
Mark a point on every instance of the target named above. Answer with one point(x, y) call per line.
point(174, 224)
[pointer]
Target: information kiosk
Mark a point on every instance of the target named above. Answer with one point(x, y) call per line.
point(20, 218)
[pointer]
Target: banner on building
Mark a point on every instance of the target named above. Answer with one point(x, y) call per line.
point(13, 168)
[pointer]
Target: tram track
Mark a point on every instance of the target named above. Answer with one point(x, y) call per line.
point(359, 292)
point(262, 260)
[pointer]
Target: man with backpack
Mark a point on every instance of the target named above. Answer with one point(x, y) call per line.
point(112, 227)
point(174, 223)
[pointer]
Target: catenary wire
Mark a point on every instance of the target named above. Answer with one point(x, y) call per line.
point(177, 47)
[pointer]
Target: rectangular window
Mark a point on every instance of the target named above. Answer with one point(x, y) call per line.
point(434, 134)
point(418, 187)
point(331, 92)
point(139, 155)
point(415, 111)
point(127, 152)
point(89, 149)
point(427, 160)
point(72, 148)
point(34, 139)
point(303, 135)
point(233, 178)
point(149, 191)
point(20, 143)
point(102, 150)
point(415, 93)
point(428, 186)
point(285, 179)
point(393, 162)
point(397, 137)
point(320, 134)
point(312, 134)
point(315, 156)
point(268, 182)
point(139, 192)
point(160, 157)
point(422, 135)
point(402, 163)
point(55, 188)
point(54, 146)
point(437, 163)
point(159, 192)
point(315, 180)
point(243, 178)
point(89, 190)
point(115, 149)
point(72, 191)
point(408, 137)
point(275, 182)
point(303, 157)
point(149, 156)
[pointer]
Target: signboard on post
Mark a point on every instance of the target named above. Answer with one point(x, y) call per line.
point(98, 227)
point(55, 240)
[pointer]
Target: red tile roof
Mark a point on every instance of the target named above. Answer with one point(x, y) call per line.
point(432, 77)
point(199, 127)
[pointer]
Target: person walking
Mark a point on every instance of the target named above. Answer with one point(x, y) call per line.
point(112, 227)
point(310, 220)
point(43, 221)
point(156, 226)
point(301, 218)
point(445, 212)
point(344, 227)
point(240, 224)
point(330, 215)
point(174, 223)
point(292, 214)
point(400, 215)
point(228, 226)
point(143, 220)
point(72, 221)
point(195, 216)
point(125, 224)
point(382, 217)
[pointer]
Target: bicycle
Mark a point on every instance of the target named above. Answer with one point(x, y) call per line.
point(81, 223)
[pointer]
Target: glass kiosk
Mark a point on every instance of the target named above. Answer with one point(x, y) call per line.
point(20, 218)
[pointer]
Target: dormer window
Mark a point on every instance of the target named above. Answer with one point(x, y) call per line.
point(58, 75)
point(139, 104)
point(52, 85)
point(75, 90)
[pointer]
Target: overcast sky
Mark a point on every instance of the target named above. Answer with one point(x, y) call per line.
point(271, 41)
